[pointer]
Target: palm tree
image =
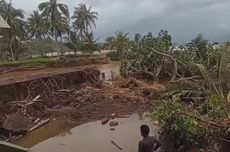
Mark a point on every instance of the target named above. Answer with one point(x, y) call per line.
point(54, 12)
point(121, 41)
point(37, 25)
point(73, 42)
point(62, 27)
point(89, 43)
point(14, 19)
point(84, 19)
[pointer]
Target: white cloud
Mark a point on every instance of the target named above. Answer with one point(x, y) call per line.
point(183, 18)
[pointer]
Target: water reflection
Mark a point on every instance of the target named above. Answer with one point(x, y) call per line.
point(92, 137)
point(58, 127)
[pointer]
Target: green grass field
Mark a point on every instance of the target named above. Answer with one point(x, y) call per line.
point(31, 61)
point(45, 60)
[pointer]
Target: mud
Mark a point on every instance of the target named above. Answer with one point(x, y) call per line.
point(55, 63)
point(28, 100)
point(78, 94)
point(89, 103)
point(28, 73)
point(93, 103)
point(44, 83)
point(58, 127)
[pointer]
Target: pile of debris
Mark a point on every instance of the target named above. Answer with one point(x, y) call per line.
point(98, 103)
point(89, 98)
point(23, 106)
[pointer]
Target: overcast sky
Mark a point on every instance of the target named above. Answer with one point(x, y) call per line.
point(184, 19)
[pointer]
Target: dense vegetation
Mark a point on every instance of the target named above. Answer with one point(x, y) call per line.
point(51, 28)
point(194, 111)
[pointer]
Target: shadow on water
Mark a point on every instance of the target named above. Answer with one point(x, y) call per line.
point(57, 127)
point(58, 137)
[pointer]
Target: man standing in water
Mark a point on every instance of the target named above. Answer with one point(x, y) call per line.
point(148, 143)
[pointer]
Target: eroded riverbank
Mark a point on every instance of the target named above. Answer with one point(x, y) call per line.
point(83, 100)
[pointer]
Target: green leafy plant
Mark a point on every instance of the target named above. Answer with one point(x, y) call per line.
point(114, 55)
point(213, 107)
point(182, 129)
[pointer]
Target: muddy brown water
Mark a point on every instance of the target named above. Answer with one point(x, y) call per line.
point(108, 68)
point(22, 75)
point(59, 137)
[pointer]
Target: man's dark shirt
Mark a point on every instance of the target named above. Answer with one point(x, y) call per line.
point(147, 144)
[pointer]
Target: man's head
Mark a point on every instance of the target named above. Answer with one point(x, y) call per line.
point(144, 130)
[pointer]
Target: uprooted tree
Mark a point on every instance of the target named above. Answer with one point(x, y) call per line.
point(194, 112)
point(157, 58)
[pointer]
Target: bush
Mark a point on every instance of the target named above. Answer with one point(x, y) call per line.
point(182, 130)
point(213, 107)
point(189, 118)
point(114, 55)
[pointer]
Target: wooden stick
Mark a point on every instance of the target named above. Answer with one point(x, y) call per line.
point(36, 98)
point(36, 120)
point(225, 140)
point(116, 145)
point(186, 79)
point(43, 122)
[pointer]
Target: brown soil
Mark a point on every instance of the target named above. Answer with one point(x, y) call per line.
point(44, 84)
point(18, 72)
point(94, 103)
point(79, 95)
point(88, 102)
point(55, 62)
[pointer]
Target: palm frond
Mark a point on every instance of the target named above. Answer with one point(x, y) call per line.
point(224, 70)
point(43, 5)
point(84, 19)
point(64, 9)
point(18, 12)
point(201, 48)
point(209, 81)
point(228, 98)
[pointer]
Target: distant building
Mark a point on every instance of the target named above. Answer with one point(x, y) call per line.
point(3, 23)
point(217, 45)
point(179, 48)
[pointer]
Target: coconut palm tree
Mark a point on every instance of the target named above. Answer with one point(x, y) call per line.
point(120, 42)
point(84, 19)
point(54, 12)
point(89, 43)
point(37, 26)
point(62, 27)
point(73, 42)
point(14, 19)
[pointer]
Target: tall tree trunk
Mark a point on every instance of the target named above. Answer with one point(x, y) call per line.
point(175, 71)
point(75, 52)
point(61, 47)
point(56, 41)
point(3, 56)
point(11, 50)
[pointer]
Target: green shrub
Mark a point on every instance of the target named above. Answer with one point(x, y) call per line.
point(181, 129)
point(213, 107)
point(114, 55)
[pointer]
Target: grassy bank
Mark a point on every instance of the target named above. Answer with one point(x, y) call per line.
point(35, 61)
